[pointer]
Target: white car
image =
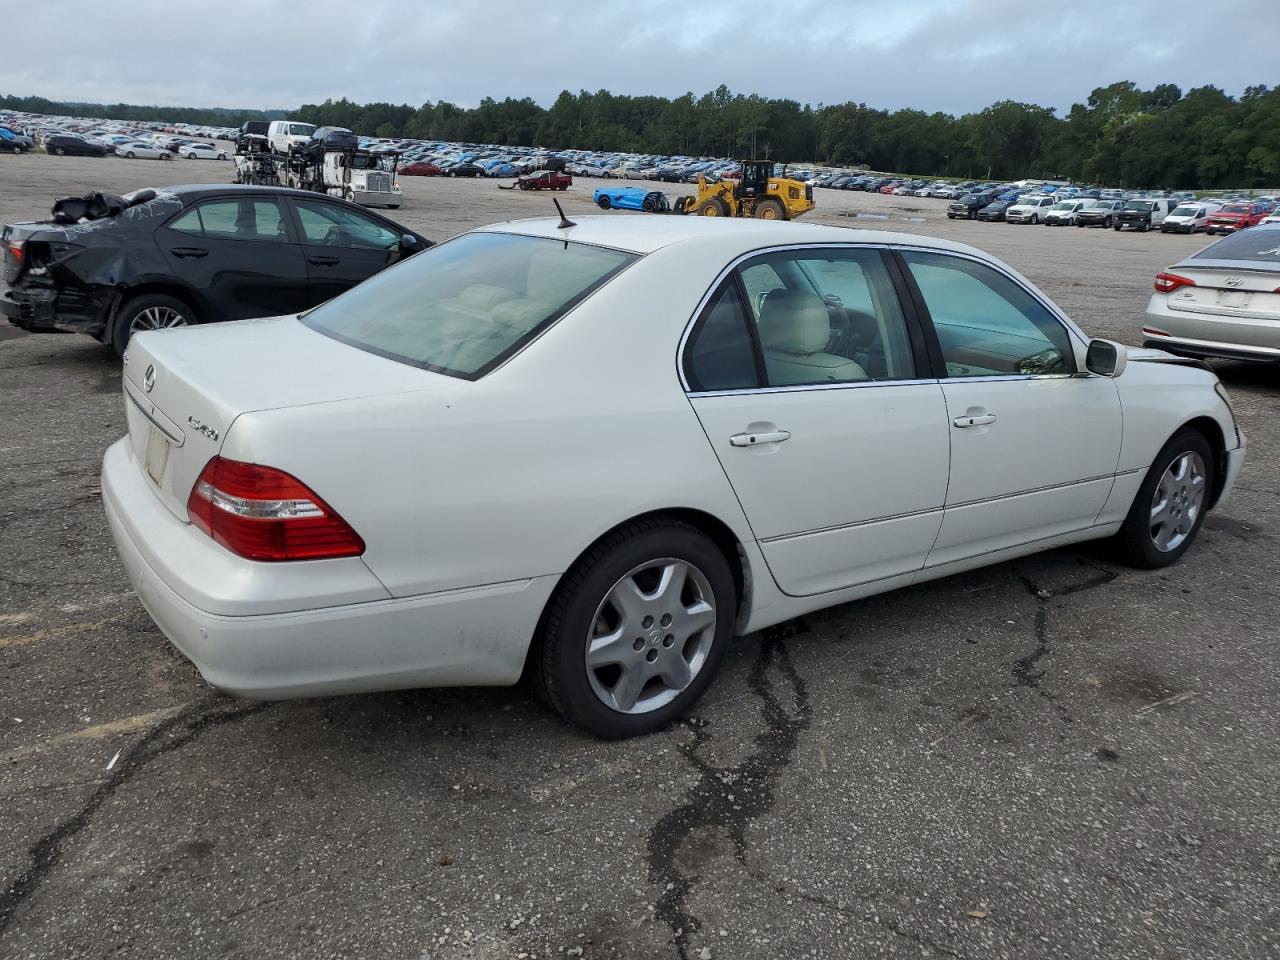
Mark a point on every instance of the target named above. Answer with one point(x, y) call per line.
point(600, 451)
point(132, 149)
point(1063, 213)
point(1190, 216)
point(1221, 301)
point(203, 151)
point(1029, 209)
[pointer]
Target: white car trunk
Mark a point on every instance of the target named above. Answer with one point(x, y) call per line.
point(1248, 293)
point(179, 387)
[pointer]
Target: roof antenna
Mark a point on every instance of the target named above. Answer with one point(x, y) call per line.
point(565, 222)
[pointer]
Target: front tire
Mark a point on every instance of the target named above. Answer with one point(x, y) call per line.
point(770, 208)
point(713, 207)
point(1035, 218)
point(636, 629)
point(604, 203)
point(59, 151)
point(1170, 505)
point(151, 311)
point(129, 155)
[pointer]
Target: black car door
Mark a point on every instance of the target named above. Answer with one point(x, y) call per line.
point(239, 256)
point(342, 246)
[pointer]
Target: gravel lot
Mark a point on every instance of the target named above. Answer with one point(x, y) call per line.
point(1058, 757)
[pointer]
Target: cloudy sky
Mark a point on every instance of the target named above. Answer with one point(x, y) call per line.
point(951, 55)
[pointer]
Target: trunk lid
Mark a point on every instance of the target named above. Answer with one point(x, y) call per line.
point(185, 387)
point(1228, 292)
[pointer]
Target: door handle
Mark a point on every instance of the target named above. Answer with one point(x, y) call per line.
point(751, 439)
point(323, 261)
point(979, 421)
point(184, 252)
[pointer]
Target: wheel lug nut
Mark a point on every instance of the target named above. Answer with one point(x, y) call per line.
point(651, 656)
point(647, 622)
point(666, 619)
point(668, 640)
point(638, 644)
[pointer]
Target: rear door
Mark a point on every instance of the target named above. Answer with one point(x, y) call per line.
point(341, 246)
point(802, 369)
point(239, 255)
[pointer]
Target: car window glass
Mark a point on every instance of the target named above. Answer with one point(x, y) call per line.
point(829, 316)
point(719, 355)
point(329, 225)
point(188, 222)
point(987, 325)
point(242, 219)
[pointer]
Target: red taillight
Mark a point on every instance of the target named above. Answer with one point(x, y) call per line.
point(265, 514)
point(1169, 282)
point(15, 248)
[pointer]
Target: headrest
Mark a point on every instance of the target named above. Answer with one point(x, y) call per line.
point(794, 321)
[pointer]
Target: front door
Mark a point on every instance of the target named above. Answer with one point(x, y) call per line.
point(343, 247)
point(1034, 441)
point(803, 373)
point(238, 255)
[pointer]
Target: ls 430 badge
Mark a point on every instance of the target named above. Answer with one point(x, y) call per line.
point(203, 429)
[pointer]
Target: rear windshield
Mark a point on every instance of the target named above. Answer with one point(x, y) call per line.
point(464, 306)
point(1261, 244)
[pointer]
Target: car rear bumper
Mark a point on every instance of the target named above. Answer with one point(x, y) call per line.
point(46, 310)
point(476, 636)
point(1187, 346)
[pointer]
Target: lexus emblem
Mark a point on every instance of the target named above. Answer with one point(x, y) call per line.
point(1235, 281)
point(149, 378)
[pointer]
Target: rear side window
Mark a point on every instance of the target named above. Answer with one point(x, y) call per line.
point(241, 219)
point(462, 307)
point(719, 355)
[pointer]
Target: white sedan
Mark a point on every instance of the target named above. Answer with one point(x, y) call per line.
point(203, 151)
point(600, 451)
point(133, 149)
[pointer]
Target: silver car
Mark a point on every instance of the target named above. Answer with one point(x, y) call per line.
point(1222, 301)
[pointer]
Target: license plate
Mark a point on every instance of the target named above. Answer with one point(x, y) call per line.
point(157, 455)
point(1234, 299)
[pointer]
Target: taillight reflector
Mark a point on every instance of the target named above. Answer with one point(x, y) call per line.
point(262, 513)
point(1169, 282)
point(15, 248)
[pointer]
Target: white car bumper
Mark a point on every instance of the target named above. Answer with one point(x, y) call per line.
point(471, 637)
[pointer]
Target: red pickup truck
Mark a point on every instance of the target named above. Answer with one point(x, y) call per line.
point(546, 180)
point(1236, 216)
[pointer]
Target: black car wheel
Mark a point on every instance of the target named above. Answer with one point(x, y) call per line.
point(1170, 506)
point(15, 149)
point(151, 311)
point(59, 151)
point(603, 203)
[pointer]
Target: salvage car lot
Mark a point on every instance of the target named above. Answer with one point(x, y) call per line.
point(1081, 756)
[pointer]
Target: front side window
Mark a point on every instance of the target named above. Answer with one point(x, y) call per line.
point(462, 307)
point(325, 224)
point(987, 325)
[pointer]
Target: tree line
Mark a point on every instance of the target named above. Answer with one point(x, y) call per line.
point(1121, 136)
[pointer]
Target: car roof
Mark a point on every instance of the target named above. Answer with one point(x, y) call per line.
point(647, 234)
point(193, 191)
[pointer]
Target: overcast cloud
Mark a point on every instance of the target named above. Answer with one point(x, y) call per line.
point(950, 55)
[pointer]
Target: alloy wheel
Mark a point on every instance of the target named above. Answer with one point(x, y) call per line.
point(1177, 501)
point(650, 636)
point(157, 318)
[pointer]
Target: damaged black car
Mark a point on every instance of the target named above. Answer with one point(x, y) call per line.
point(109, 266)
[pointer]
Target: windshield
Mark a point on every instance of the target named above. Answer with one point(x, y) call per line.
point(1185, 211)
point(301, 129)
point(1236, 208)
point(464, 306)
point(1143, 205)
point(1260, 244)
point(1064, 205)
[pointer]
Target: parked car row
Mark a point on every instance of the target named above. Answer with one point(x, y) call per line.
point(1139, 213)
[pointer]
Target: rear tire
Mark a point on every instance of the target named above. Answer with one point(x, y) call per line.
point(151, 311)
point(770, 208)
point(59, 151)
point(1180, 478)
point(129, 155)
point(1118, 227)
point(671, 667)
point(604, 203)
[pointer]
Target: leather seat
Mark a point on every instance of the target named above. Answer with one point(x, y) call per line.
point(794, 331)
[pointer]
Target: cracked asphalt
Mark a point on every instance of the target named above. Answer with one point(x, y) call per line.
point(1054, 758)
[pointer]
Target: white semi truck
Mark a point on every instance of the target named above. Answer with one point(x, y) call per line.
point(368, 179)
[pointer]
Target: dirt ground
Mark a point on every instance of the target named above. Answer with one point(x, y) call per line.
point(1057, 757)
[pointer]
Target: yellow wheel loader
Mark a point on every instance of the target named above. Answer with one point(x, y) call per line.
point(758, 194)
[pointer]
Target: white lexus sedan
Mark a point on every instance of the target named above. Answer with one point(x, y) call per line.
point(134, 149)
point(600, 451)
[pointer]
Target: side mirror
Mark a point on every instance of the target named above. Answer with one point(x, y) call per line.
point(408, 242)
point(1106, 358)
